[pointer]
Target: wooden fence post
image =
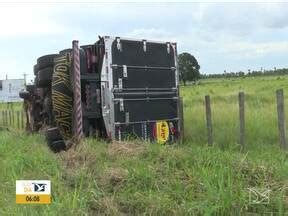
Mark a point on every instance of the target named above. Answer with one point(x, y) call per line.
point(13, 119)
point(6, 118)
point(10, 118)
point(208, 120)
point(22, 120)
point(18, 120)
point(242, 119)
point(181, 118)
point(281, 118)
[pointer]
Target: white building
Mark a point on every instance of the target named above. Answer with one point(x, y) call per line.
point(10, 88)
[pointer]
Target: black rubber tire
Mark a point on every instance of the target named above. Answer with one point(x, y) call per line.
point(36, 81)
point(57, 146)
point(46, 61)
point(24, 95)
point(35, 69)
point(30, 88)
point(54, 139)
point(62, 111)
point(65, 51)
point(45, 77)
point(53, 134)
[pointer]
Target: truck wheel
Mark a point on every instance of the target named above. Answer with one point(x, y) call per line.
point(35, 69)
point(46, 61)
point(62, 97)
point(24, 95)
point(30, 88)
point(45, 77)
point(36, 81)
point(57, 146)
point(54, 139)
point(65, 51)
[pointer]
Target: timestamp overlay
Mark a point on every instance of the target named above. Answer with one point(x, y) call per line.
point(33, 192)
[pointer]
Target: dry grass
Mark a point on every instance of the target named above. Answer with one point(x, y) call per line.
point(115, 175)
point(127, 148)
point(104, 206)
point(77, 156)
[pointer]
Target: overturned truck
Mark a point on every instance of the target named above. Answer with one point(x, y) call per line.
point(114, 89)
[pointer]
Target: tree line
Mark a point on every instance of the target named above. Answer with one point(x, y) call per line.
point(254, 73)
point(189, 70)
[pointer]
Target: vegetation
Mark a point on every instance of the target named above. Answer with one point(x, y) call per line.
point(188, 67)
point(147, 178)
point(274, 72)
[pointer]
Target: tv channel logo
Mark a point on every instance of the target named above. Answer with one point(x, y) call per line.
point(39, 187)
point(33, 191)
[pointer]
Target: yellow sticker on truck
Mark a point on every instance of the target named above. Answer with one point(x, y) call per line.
point(162, 131)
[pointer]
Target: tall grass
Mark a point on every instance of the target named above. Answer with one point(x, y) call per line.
point(97, 178)
point(261, 116)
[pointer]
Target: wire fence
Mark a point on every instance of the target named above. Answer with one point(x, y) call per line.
point(242, 131)
point(12, 116)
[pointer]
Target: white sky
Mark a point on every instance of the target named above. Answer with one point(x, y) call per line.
point(222, 36)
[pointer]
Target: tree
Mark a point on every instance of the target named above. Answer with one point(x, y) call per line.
point(188, 67)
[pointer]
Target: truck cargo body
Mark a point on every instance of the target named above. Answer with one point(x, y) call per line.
point(139, 83)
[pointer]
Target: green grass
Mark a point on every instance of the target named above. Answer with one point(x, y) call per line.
point(261, 115)
point(188, 178)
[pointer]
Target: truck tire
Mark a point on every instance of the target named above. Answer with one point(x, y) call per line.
point(46, 61)
point(24, 95)
point(30, 88)
point(65, 51)
point(35, 69)
point(45, 77)
point(62, 96)
point(36, 81)
point(54, 139)
point(57, 146)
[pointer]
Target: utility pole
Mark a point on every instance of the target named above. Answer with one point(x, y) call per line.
point(25, 75)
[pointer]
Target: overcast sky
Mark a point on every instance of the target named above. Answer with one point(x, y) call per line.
point(222, 36)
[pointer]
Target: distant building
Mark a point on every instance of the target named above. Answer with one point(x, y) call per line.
point(10, 88)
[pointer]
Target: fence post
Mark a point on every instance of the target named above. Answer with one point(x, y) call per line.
point(208, 120)
point(181, 118)
point(281, 118)
point(242, 119)
point(6, 118)
point(13, 119)
point(22, 120)
point(10, 118)
point(18, 120)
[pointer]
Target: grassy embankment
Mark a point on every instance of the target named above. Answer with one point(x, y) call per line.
point(187, 178)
